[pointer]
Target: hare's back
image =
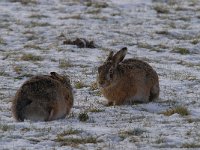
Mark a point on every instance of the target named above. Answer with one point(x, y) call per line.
point(143, 66)
point(40, 87)
point(137, 64)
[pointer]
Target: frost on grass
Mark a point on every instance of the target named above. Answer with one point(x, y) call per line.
point(31, 57)
point(183, 111)
point(162, 33)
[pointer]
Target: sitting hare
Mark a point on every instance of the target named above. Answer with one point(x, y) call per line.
point(127, 81)
point(43, 98)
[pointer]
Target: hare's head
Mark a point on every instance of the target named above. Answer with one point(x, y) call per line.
point(108, 73)
point(62, 79)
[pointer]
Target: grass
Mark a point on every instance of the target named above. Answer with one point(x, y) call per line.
point(34, 140)
point(195, 41)
point(17, 69)
point(93, 86)
point(96, 93)
point(2, 41)
point(30, 35)
point(3, 73)
point(64, 64)
point(38, 16)
point(161, 8)
point(101, 5)
point(181, 110)
point(189, 64)
point(94, 11)
point(38, 24)
point(83, 117)
point(25, 129)
point(96, 4)
point(156, 48)
point(103, 18)
point(31, 57)
point(181, 50)
point(95, 110)
point(26, 75)
point(191, 120)
point(10, 55)
point(177, 75)
point(53, 60)
point(144, 45)
point(190, 145)
point(70, 141)
point(5, 127)
point(180, 8)
point(76, 16)
point(32, 47)
point(79, 84)
point(188, 133)
point(173, 2)
point(133, 132)
point(186, 19)
point(37, 129)
point(162, 46)
point(160, 140)
point(71, 131)
point(194, 2)
point(25, 2)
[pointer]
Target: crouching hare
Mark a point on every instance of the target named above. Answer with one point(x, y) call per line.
point(127, 81)
point(43, 98)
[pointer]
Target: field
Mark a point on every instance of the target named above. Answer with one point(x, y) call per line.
point(164, 33)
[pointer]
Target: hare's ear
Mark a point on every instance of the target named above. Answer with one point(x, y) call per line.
point(109, 58)
point(119, 56)
point(56, 76)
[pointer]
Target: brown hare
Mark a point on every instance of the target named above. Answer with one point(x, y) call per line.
point(43, 98)
point(127, 81)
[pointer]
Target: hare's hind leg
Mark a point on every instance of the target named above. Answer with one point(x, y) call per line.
point(18, 108)
point(36, 112)
point(142, 95)
point(154, 92)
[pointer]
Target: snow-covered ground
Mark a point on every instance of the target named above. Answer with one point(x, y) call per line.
point(164, 33)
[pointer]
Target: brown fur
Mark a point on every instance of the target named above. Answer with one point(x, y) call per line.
point(43, 98)
point(127, 81)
